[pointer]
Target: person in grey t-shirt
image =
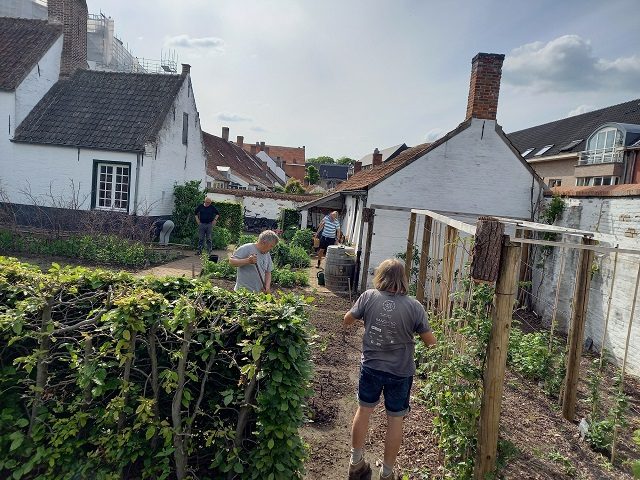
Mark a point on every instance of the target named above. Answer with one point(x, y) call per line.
point(391, 321)
point(254, 263)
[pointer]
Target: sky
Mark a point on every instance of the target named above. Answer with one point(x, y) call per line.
point(343, 77)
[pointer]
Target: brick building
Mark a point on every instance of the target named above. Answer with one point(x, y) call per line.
point(292, 159)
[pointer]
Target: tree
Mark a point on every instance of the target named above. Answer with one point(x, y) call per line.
point(294, 186)
point(345, 161)
point(321, 159)
point(313, 175)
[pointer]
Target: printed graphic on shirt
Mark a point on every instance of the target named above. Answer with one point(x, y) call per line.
point(383, 330)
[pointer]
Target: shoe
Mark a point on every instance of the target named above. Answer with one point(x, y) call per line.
point(360, 470)
point(198, 254)
point(393, 476)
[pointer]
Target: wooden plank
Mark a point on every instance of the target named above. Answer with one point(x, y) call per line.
point(577, 246)
point(448, 262)
point(424, 258)
point(496, 361)
point(457, 224)
point(367, 249)
point(487, 248)
point(408, 261)
point(576, 331)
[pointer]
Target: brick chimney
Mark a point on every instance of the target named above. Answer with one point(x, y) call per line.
point(377, 158)
point(225, 134)
point(357, 166)
point(486, 71)
point(254, 149)
point(186, 69)
point(262, 146)
point(72, 15)
point(240, 141)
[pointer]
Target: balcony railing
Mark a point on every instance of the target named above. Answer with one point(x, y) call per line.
point(603, 155)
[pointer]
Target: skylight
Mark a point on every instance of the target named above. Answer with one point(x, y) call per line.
point(527, 151)
point(570, 145)
point(543, 150)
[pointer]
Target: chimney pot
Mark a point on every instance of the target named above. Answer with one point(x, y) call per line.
point(225, 133)
point(484, 86)
point(377, 158)
point(240, 141)
point(186, 69)
point(357, 166)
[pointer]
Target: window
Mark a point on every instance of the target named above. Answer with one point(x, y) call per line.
point(555, 182)
point(112, 187)
point(208, 184)
point(603, 147)
point(597, 181)
point(582, 181)
point(527, 151)
point(185, 128)
point(570, 145)
point(543, 150)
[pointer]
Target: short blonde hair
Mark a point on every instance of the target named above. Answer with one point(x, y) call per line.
point(390, 277)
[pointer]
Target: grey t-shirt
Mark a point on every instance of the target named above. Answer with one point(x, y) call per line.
point(247, 276)
point(390, 324)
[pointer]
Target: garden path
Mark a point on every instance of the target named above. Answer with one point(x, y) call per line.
point(187, 266)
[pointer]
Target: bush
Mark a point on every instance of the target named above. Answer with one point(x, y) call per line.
point(243, 239)
point(220, 238)
point(231, 218)
point(289, 233)
point(292, 255)
point(289, 218)
point(186, 198)
point(304, 239)
point(285, 277)
point(221, 269)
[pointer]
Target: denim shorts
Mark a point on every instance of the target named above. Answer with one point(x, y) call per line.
point(396, 391)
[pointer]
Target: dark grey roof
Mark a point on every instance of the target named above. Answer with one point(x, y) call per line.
point(22, 44)
point(564, 134)
point(102, 110)
point(328, 170)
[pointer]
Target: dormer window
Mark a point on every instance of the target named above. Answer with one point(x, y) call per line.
point(543, 150)
point(603, 147)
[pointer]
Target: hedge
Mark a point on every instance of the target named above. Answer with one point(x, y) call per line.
point(108, 376)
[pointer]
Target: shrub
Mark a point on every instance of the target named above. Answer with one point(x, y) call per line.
point(289, 218)
point(186, 198)
point(292, 255)
point(220, 238)
point(221, 269)
point(304, 239)
point(243, 239)
point(285, 277)
point(231, 218)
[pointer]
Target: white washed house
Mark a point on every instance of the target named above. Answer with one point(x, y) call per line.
point(473, 170)
point(101, 140)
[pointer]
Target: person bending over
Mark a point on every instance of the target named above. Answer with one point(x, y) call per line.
point(254, 263)
point(391, 320)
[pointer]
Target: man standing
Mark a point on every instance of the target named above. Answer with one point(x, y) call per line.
point(206, 217)
point(254, 263)
point(328, 232)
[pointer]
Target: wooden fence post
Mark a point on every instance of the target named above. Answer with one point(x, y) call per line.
point(448, 264)
point(409, 253)
point(576, 330)
point(496, 361)
point(424, 258)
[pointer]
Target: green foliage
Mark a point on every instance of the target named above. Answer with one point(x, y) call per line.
point(221, 269)
point(320, 160)
point(567, 466)
point(107, 376)
point(220, 237)
point(294, 186)
point(231, 218)
point(97, 249)
point(289, 218)
point(553, 210)
point(313, 175)
point(600, 435)
point(244, 239)
point(293, 255)
point(345, 161)
point(287, 278)
point(303, 238)
point(186, 198)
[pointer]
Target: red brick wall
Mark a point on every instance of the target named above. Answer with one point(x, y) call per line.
point(484, 87)
point(72, 15)
point(293, 157)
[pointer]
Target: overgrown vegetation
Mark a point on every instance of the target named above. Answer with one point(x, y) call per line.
point(106, 376)
point(283, 277)
point(94, 249)
point(292, 255)
point(220, 238)
point(303, 238)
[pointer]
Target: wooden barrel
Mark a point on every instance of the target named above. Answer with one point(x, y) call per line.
point(338, 268)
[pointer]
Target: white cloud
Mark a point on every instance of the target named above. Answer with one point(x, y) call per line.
point(233, 117)
point(203, 43)
point(580, 109)
point(259, 129)
point(434, 134)
point(568, 64)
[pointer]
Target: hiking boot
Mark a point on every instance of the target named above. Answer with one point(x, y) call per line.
point(360, 470)
point(393, 476)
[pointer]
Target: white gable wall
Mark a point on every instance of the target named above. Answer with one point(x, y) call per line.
point(474, 172)
point(38, 82)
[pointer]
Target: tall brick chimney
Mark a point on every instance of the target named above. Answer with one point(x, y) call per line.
point(262, 144)
point(240, 141)
point(357, 166)
point(377, 158)
point(186, 69)
point(484, 88)
point(254, 149)
point(225, 133)
point(72, 15)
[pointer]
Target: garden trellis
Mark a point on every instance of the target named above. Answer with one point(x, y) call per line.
point(440, 263)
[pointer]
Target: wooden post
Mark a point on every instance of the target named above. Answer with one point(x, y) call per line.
point(487, 248)
point(576, 330)
point(410, 239)
point(370, 216)
point(606, 320)
point(495, 365)
point(424, 258)
point(448, 262)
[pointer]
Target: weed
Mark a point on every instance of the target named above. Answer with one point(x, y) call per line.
point(567, 466)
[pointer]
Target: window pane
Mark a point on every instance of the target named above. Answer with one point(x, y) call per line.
point(597, 181)
point(608, 143)
point(600, 140)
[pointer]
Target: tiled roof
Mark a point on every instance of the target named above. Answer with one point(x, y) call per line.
point(102, 110)
point(275, 195)
point(625, 190)
point(221, 153)
point(565, 133)
point(22, 44)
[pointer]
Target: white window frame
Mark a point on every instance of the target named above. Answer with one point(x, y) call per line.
point(555, 182)
point(543, 150)
point(528, 151)
point(108, 173)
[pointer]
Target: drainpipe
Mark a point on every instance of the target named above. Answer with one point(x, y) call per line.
point(135, 194)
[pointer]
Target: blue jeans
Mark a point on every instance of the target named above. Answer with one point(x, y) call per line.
point(396, 391)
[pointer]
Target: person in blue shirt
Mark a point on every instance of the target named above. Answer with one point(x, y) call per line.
point(328, 233)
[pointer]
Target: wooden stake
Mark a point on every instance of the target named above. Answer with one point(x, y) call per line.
point(424, 258)
point(606, 321)
point(449, 258)
point(555, 303)
point(576, 331)
point(410, 242)
point(496, 361)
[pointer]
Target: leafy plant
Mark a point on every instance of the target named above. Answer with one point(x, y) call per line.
point(292, 255)
point(289, 218)
point(567, 466)
point(244, 238)
point(285, 277)
point(186, 198)
point(313, 175)
point(221, 269)
point(303, 238)
point(294, 186)
point(231, 218)
point(220, 238)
